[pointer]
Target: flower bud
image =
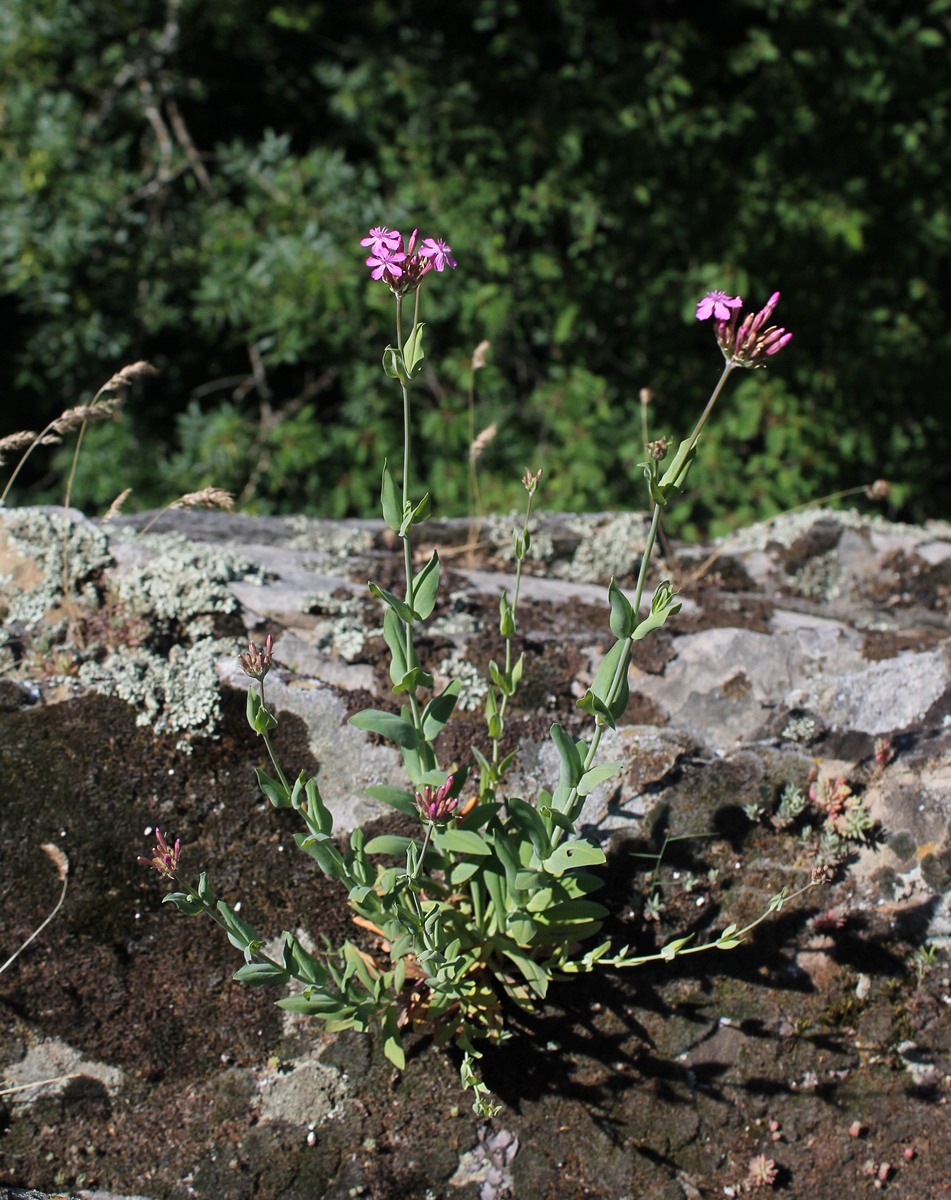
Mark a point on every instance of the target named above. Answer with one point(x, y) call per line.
point(435, 804)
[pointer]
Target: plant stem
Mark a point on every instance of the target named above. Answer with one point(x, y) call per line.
point(270, 748)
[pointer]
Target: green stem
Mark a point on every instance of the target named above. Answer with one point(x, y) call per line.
point(710, 403)
point(270, 748)
point(407, 536)
point(623, 663)
point(503, 704)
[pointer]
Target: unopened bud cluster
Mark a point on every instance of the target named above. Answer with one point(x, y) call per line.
point(257, 663)
point(164, 857)
point(752, 342)
point(435, 804)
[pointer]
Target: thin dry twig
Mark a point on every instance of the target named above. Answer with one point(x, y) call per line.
point(23, 1087)
point(62, 870)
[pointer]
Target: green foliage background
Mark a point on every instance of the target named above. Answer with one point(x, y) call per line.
point(188, 181)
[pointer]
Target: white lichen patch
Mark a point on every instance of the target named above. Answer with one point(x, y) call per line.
point(336, 544)
point(304, 1092)
point(500, 532)
point(613, 547)
point(789, 527)
point(32, 560)
point(474, 687)
point(181, 580)
point(343, 634)
point(177, 695)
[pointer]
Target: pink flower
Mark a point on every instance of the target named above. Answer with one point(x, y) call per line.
point(164, 858)
point(385, 263)
point(439, 252)
point(402, 264)
point(435, 804)
point(754, 341)
point(381, 238)
point(717, 304)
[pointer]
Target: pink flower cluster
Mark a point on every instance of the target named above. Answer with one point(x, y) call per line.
point(400, 264)
point(257, 663)
point(435, 804)
point(164, 857)
point(754, 341)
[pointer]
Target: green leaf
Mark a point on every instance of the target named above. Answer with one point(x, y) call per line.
point(622, 614)
point(522, 928)
point(461, 841)
point(676, 474)
point(571, 766)
point(185, 902)
point(590, 704)
point(318, 815)
point(530, 820)
point(400, 607)
point(392, 1045)
point(388, 843)
point(438, 711)
point(393, 726)
point(590, 780)
point(569, 911)
point(413, 350)
point(260, 718)
point(574, 853)
point(663, 605)
point(324, 851)
point(506, 617)
point(412, 681)
point(300, 963)
point(535, 975)
point(260, 973)
point(672, 949)
point(396, 798)
point(413, 516)
point(393, 363)
point(316, 1004)
point(425, 588)
point(390, 499)
point(616, 660)
point(395, 637)
point(273, 789)
point(463, 871)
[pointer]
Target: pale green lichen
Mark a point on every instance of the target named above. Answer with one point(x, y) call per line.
point(177, 695)
point(612, 547)
point(343, 634)
point(336, 545)
point(474, 688)
point(113, 636)
point(36, 534)
point(181, 580)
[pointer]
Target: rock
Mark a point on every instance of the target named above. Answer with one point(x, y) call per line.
point(811, 653)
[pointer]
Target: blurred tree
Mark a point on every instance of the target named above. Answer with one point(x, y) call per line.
point(188, 182)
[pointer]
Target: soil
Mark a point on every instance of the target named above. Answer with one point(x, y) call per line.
point(824, 1044)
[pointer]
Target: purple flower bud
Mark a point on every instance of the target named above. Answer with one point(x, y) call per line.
point(437, 805)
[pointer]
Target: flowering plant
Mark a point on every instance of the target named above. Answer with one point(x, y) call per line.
point(494, 901)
